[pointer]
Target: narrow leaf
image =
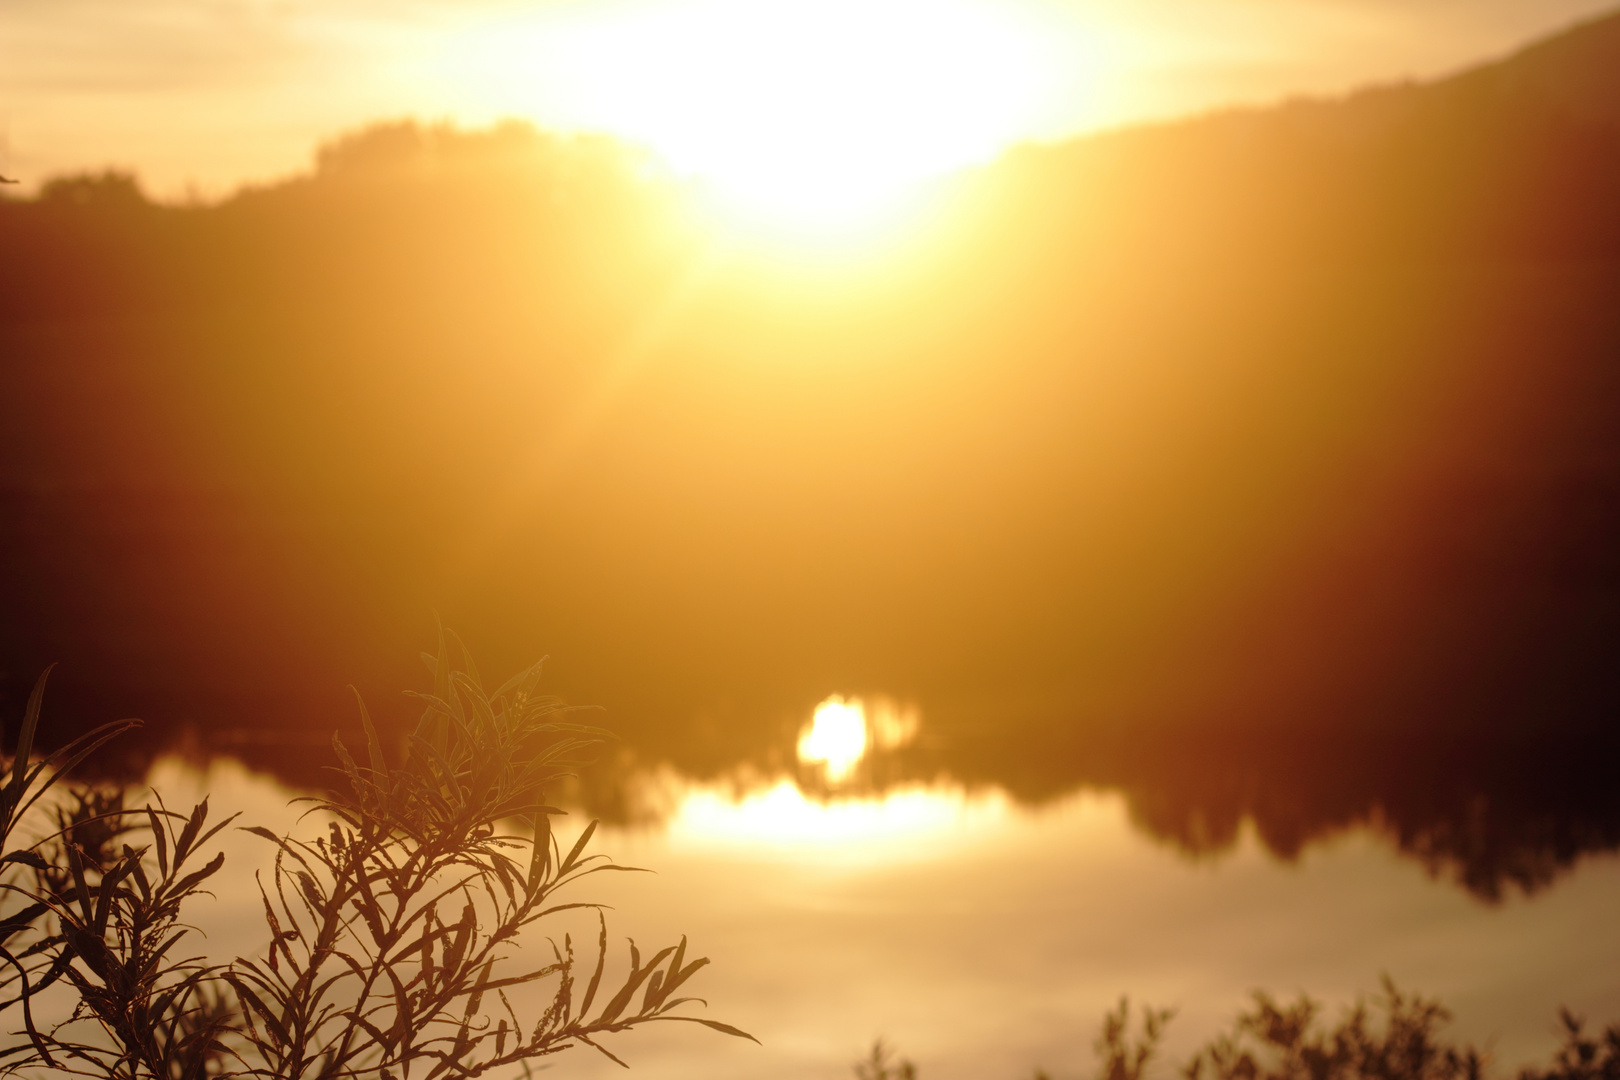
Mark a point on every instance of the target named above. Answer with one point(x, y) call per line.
point(579, 846)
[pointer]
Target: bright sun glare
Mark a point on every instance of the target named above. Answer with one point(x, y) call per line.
point(835, 738)
point(801, 115)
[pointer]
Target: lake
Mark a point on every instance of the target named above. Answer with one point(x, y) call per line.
point(984, 938)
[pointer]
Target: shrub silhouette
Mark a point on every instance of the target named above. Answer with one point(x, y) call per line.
point(392, 921)
point(34, 954)
point(881, 1064)
point(1396, 1036)
point(1273, 1041)
point(1582, 1056)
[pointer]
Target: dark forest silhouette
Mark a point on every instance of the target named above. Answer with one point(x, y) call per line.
point(1265, 464)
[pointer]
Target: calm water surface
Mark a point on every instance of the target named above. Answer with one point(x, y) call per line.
point(984, 939)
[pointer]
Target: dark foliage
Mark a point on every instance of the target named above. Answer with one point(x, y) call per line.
point(1395, 1036)
point(1582, 1056)
point(393, 930)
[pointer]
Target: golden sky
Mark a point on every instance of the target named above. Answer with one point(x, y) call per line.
point(850, 98)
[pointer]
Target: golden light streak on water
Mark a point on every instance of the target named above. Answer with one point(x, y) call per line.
point(783, 816)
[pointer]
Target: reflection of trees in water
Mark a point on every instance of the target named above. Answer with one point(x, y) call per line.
point(1490, 817)
point(1485, 830)
point(1513, 815)
point(1490, 813)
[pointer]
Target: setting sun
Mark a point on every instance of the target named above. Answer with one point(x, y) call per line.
point(796, 115)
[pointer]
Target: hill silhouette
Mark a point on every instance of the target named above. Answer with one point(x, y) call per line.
point(1266, 463)
point(1510, 159)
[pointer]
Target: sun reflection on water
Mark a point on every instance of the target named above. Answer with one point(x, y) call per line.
point(784, 817)
point(842, 730)
point(835, 737)
point(838, 808)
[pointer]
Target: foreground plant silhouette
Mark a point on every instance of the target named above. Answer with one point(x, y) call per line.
point(393, 929)
point(1395, 1036)
point(35, 955)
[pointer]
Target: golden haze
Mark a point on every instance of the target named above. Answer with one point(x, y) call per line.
point(1116, 460)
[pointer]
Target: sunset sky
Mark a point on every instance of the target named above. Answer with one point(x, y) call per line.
point(774, 99)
